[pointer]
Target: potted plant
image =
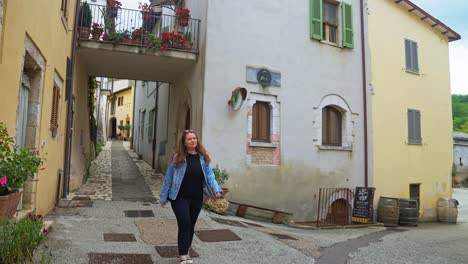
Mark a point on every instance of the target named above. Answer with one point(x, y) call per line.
point(97, 30)
point(187, 43)
point(183, 16)
point(84, 21)
point(113, 7)
point(138, 36)
point(146, 11)
point(126, 37)
point(115, 37)
point(16, 166)
point(221, 176)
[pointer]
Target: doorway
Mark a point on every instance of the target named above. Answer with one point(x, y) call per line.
point(113, 127)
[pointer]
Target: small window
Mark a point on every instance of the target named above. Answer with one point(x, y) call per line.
point(414, 127)
point(331, 126)
point(120, 101)
point(150, 125)
point(411, 56)
point(261, 122)
point(113, 106)
point(54, 122)
point(330, 21)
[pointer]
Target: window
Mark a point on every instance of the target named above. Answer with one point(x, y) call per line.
point(331, 126)
point(142, 122)
point(261, 122)
point(414, 127)
point(113, 106)
point(330, 21)
point(411, 56)
point(415, 192)
point(325, 22)
point(150, 125)
point(120, 101)
point(54, 122)
point(64, 8)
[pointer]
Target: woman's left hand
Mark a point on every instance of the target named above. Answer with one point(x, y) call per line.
point(218, 195)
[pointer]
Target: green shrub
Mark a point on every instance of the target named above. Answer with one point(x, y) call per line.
point(454, 170)
point(221, 176)
point(20, 238)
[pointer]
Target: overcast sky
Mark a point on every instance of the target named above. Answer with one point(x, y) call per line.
point(453, 13)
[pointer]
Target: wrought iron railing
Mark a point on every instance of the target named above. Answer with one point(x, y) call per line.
point(334, 207)
point(146, 29)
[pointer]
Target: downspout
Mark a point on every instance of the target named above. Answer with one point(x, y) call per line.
point(364, 93)
point(155, 122)
point(69, 98)
point(132, 144)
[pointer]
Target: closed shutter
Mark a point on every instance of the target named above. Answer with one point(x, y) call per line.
point(347, 20)
point(408, 55)
point(411, 56)
point(54, 112)
point(414, 56)
point(316, 19)
point(261, 122)
point(414, 127)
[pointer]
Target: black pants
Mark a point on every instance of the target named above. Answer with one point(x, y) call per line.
point(186, 212)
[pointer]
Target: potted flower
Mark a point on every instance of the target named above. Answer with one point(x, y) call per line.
point(221, 176)
point(126, 37)
point(97, 30)
point(146, 10)
point(84, 21)
point(183, 16)
point(113, 7)
point(138, 36)
point(219, 205)
point(187, 43)
point(16, 166)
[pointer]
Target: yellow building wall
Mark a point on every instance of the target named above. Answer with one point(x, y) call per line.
point(396, 163)
point(41, 20)
point(125, 111)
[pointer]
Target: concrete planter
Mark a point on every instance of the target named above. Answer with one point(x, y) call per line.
point(9, 203)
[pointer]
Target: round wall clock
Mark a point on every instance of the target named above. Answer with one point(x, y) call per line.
point(237, 98)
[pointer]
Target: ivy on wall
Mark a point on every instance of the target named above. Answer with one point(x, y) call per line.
point(92, 107)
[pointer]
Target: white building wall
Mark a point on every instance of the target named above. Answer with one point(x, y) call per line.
point(275, 35)
point(145, 101)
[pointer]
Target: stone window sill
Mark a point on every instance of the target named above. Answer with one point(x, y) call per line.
point(337, 148)
point(263, 145)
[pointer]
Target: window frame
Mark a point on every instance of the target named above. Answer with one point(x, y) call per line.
point(327, 126)
point(257, 117)
point(326, 25)
point(414, 134)
point(411, 63)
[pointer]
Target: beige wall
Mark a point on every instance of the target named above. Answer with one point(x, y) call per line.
point(398, 164)
point(41, 22)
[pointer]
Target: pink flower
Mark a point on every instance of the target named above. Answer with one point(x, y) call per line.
point(3, 181)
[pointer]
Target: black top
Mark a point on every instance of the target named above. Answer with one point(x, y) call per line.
point(192, 184)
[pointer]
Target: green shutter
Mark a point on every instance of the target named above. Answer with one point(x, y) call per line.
point(347, 20)
point(316, 19)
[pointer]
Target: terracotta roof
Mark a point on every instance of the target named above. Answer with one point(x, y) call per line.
point(432, 21)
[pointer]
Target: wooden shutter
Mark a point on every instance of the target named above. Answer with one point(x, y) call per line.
point(331, 126)
point(411, 56)
point(347, 21)
point(64, 8)
point(54, 114)
point(414, 56)
point(408, 55)
point(316, 19)
point(414, 127)
point(261, 122)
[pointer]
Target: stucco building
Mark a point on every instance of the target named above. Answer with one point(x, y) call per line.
point(411, 103)
point(35, 51)
point(460, 155)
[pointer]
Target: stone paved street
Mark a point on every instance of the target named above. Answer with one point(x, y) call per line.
point(119, 226)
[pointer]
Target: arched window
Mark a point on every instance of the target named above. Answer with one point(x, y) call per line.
point(331, 126)
point(261, 122)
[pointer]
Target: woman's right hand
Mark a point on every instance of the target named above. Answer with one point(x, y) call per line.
point(163, 205)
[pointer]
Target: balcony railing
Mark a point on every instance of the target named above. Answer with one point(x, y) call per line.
point(149, 30)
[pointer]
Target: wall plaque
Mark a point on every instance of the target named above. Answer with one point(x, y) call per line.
point(252, 76)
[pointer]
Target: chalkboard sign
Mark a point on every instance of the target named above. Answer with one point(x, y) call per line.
point(363, 205)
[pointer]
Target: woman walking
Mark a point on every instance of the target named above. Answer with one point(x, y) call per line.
point(187, 176)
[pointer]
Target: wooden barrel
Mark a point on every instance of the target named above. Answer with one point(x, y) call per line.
point(409, 212)
point(388, 211)
point(447, 210)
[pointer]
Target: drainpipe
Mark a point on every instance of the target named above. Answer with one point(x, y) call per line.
point(364, 93)
point(69, 98)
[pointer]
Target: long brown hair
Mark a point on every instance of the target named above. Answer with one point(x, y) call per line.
point(181, 150)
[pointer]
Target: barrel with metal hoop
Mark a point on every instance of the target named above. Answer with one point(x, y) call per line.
point(447, 210)
point(388, 211)
point(409, 212)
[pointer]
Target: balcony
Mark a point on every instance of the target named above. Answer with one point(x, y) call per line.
point(136, 44)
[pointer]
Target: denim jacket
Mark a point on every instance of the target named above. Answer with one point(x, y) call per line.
point(175, 175)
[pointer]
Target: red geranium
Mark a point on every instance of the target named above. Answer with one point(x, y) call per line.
point(183, 12)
